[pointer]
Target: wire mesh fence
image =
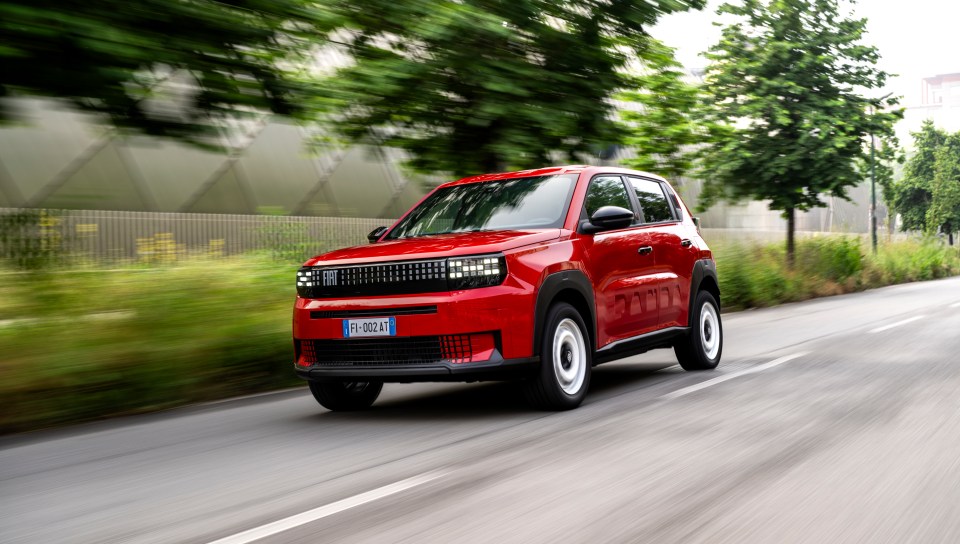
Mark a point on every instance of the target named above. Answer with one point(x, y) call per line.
point(31, 238)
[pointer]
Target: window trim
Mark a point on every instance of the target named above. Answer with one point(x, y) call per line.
point(631, 197)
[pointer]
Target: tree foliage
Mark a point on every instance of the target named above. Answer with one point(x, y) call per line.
point(479, 86)
point(944, 212)
point(661, 128)
point(912, 194)
point(108, 56)
point(786, 115)
point(928, 196)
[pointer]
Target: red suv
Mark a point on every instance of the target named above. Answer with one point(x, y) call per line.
point(536, 275)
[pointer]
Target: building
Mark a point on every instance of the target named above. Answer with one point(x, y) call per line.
point(61, 158)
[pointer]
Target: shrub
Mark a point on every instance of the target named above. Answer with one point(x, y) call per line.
point(754, 275)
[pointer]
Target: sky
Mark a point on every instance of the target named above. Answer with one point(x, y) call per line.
point(916, 39)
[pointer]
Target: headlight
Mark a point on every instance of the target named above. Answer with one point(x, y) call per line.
point(306, 277)
point(472, 272)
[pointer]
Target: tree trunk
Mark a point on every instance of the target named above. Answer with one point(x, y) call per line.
point(950, 238)
point(791, 226)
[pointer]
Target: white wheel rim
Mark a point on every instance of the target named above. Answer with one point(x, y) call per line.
point(710, 334)
point(569, 356)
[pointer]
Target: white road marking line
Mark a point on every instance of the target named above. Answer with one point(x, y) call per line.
point(955, 305)
point(328, 510)
point(732, 375)
point(897, 324)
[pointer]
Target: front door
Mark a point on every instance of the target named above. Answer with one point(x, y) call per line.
point(621, 265)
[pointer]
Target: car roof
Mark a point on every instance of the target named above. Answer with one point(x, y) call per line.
point(551, 171)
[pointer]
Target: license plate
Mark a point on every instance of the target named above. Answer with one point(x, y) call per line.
point(377, 326)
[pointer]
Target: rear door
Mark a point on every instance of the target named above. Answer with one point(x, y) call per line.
point(673, 251)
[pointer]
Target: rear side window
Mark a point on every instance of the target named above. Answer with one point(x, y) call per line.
point(606, 191)
point(653, 202)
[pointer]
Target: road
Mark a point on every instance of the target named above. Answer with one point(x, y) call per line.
point(834, 420)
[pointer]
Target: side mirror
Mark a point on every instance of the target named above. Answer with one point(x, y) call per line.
point(696, 222)
point(375, 234)
point(608, 218)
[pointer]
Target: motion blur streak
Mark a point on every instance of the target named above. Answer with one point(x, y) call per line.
point(855, 441)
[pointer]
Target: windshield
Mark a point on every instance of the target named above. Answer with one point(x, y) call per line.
point(523, 203)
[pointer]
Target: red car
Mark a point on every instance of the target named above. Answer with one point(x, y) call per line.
point(536, 275)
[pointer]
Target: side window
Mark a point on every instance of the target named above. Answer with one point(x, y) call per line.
point(606, 191)
point(653, 203)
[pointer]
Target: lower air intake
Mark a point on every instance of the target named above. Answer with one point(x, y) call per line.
point(419, 350)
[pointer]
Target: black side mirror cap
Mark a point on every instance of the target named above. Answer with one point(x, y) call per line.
point(607, 218)
point(375, 234)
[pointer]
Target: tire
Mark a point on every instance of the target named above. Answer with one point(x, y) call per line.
point(346, 396)
point(566, 358)
point(700, 348)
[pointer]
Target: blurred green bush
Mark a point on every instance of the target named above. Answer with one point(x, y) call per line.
point(83, 344)
point(756, 275)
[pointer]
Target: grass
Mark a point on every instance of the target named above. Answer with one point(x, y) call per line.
point(87, 343)
point(756, 275)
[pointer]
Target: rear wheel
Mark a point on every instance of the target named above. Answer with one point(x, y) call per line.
point(700, 348)
point(346, 396)
point(565, 361)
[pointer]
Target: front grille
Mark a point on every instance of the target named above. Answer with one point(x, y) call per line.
point(403, 277)
point(412, 351)
point(379, 279)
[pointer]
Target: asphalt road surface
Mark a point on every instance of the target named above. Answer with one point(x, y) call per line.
point(835, 420)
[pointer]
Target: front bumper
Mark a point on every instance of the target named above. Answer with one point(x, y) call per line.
point(507, 310)
point(495, 369)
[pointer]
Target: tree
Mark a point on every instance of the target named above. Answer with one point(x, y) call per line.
point(662, 129)
point(108, 56)
point(478, 86)
point(786, 118)
point(944, 212)
point(928, 196)
point(912, 194)
point(888, 156)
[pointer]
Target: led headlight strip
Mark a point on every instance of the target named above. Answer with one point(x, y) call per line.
point(479, 271)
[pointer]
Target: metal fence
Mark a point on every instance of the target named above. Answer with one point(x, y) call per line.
point(28, 235)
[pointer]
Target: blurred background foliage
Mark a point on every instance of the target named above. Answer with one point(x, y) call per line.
point(475, 86)
point(463, 87)
point(85, 344)
point(111, 56)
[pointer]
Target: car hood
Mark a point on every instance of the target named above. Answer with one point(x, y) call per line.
point(438, 246)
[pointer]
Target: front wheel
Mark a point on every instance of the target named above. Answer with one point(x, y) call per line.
point(565, 361)
point(346, 396)
point(700, 348)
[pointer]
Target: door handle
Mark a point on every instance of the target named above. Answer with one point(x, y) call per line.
point(685, 242)
point(645, 250)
